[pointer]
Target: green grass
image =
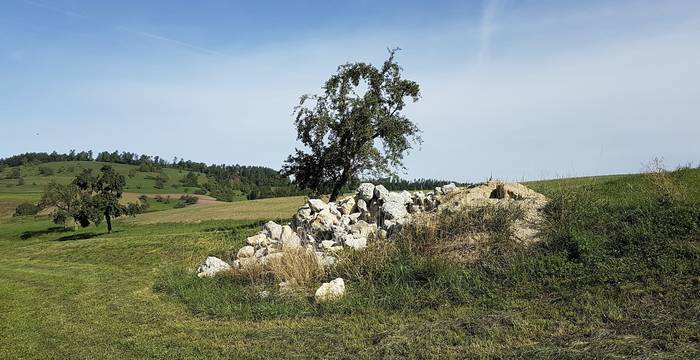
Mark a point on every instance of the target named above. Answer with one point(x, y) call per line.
point(617, 276)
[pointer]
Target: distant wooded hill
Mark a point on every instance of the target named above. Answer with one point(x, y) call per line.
point(224, 182)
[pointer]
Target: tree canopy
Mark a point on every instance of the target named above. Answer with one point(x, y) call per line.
point(359, 109)
point(89, 198)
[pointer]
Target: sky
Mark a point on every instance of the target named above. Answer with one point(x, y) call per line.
point(516, 90)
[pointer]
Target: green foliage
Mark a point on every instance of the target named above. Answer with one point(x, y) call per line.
point(190, 180)
point(65, 199)
point(26, 208)
point(361, 105)
point(46, 171)
point(186, 200)
point(15, 173)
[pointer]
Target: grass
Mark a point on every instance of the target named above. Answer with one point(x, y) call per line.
point(273, 208)
point(65, 172)
point(617, 276)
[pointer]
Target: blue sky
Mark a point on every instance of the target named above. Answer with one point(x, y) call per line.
point(511, 89)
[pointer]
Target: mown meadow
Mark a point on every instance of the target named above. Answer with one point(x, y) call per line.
point(617, 275)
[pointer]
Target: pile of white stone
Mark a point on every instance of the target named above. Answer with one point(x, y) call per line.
point(373, 212)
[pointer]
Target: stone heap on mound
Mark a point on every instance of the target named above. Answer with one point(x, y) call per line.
point(373, 212)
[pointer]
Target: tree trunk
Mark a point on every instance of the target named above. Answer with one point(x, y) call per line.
point(344, 177)
point(109, 222)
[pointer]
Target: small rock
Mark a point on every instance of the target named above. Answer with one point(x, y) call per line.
point(449, 188)
point(246, 252)
point(407, 197)
point(329, 291)
point(261, 252)
point(362, 206)
point(355, 242)
point(346, 206)
point(327, 244)
point(257, 240)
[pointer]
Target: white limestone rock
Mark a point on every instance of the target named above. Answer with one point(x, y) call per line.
point(365, 191)
point(289, 238)
point(212, 266)
point(317, 205)
point(380, 192)
point(273, 230)
point(394, 210)
point(246, 252)
point(257, 240)
point(330, 291)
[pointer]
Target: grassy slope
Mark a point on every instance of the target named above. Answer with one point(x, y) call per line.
point(64, 172)
point(87, 294)
point(34, 182)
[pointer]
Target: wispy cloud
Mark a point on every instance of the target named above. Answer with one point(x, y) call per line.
point(55, 9)
point(486, 27)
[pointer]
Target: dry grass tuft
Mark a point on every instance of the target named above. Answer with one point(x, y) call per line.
point(299, 267)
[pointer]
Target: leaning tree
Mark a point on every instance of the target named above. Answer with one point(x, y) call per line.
point(355, 127)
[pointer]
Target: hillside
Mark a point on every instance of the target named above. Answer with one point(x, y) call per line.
point(137, 182)
point(616, 277)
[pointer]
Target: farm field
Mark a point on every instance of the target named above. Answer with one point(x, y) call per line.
point(131, 294)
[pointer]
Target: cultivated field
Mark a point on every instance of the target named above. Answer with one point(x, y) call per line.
point(131, 294)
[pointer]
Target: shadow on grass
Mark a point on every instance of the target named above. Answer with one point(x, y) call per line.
point(52, 230)
point(81, 236)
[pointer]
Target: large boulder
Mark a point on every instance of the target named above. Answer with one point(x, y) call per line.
point(273, 230)
point(317, 205)
point(365, 191)
point(394, 210)
point(380, 192)
point(212, 266)
point(289, 238)
point(329, 291)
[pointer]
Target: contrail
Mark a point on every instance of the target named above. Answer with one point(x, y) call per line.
point(488, 15)
point(174, 41)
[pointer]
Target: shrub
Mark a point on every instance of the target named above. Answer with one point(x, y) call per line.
point(46, 171)
point(200, 192)
point(189, 199)
point(15, 173)
point(25, 209)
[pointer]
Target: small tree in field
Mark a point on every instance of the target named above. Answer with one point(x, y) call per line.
point(100, 197)
point(361, 106)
